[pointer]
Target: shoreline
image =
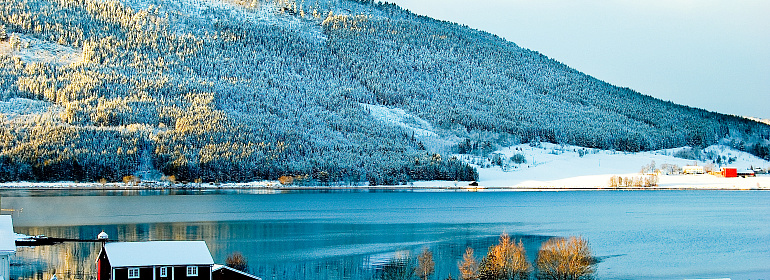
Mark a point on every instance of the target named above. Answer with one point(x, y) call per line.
point(490, 184)
point(70, 186)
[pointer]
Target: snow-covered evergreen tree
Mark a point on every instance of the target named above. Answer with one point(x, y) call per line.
point(3, 33)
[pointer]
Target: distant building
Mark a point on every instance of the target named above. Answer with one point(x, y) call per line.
point(222, 272)
point(155, 260)
point(729, 172)
point(746, 173)
point(7, 246)
point(693, 169)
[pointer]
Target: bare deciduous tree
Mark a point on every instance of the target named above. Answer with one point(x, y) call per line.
point(425, 264)
point(237, 261)
point(506, 260)
point(469, 267)
point(565, 259)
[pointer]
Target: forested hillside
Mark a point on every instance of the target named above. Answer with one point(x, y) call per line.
point(231, 90)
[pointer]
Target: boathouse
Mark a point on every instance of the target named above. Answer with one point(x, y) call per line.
point(7, 246)
point(155, 260)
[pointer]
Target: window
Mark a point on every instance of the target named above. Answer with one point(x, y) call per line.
point(133, 273)
point(164, 271)
point(192, 271)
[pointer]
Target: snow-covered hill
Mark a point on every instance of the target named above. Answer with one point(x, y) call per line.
point(321, 92)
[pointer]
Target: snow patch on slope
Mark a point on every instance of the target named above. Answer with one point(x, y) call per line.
point(18, 107)
point(33, 50)
point(399, 117)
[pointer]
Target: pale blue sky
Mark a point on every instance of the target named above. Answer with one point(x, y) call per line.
point(711, 54)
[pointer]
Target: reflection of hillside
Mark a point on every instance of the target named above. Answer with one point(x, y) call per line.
point(274, 249)
point(75, 260)
point(68, 260)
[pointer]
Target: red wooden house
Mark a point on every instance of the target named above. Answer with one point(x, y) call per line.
point(155, 260)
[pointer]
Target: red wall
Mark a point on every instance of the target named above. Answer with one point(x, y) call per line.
point(730, 172)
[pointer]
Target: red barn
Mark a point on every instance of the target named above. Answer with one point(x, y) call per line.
point(729, 172)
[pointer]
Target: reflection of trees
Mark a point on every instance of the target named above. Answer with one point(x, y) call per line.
point(67, 260)
point(399, 267)
point(76, 260)
point(273, 249)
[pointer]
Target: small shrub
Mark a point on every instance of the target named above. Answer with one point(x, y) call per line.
point(648, 168)
point(519, 159)
point(504, 261)
point(131, 180)
point(651, 180)
point(636, 182)
point(171, 179)
point(561, 258)
point(667, 168)
point(497, 159)
point(237, 261)
point(286, 180)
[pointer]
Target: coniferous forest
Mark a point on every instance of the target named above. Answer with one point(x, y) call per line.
point(235, 90)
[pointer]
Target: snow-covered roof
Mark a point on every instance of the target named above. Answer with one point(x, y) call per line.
point(218, 267)
point(150, 253)
point(7, 237)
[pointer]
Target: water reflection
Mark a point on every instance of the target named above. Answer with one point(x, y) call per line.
point(343, 235)
point(274, 250)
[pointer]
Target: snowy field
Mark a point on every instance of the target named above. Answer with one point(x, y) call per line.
point(561, 166)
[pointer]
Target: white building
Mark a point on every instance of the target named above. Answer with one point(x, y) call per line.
point(693, 169)
point(7, 246)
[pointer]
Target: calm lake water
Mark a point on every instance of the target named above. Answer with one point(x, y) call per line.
point(347, 235)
